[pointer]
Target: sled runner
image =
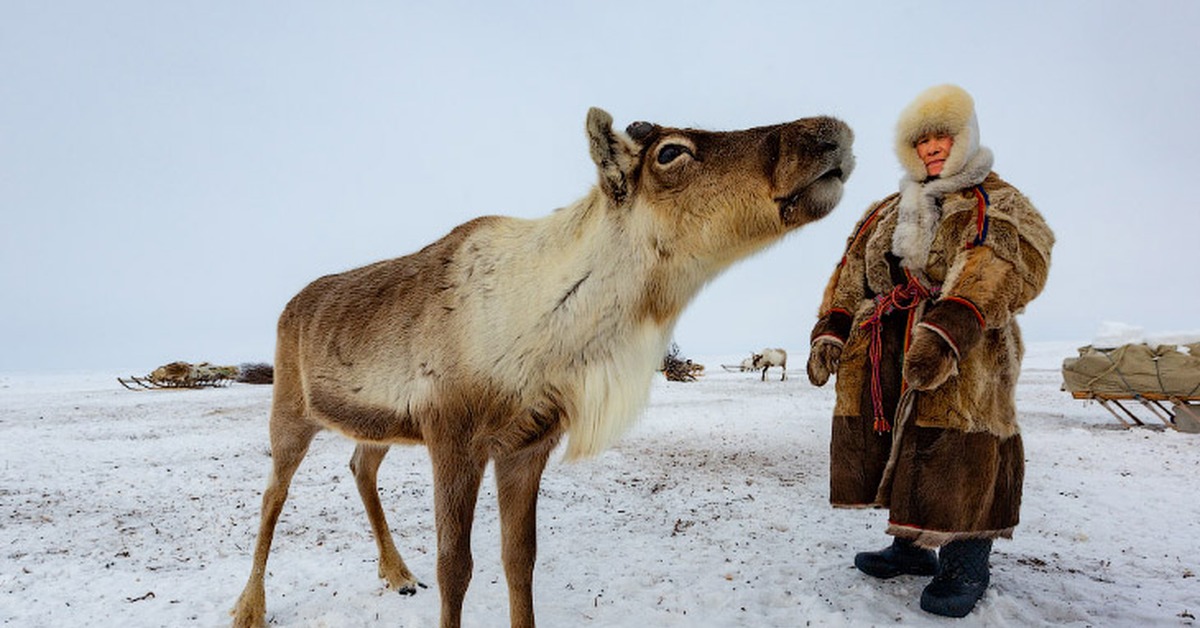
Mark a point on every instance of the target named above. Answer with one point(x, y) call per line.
point(1163, 380)
point(1183, 414)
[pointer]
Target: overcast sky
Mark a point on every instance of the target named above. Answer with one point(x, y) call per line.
point(171, 173)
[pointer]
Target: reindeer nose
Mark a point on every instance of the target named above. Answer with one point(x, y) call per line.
point(824, 145)
point(817, 137)
point(843, 142)
point(834, 133)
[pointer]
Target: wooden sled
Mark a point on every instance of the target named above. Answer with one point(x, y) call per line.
point(177, 375)
point(1175, 411)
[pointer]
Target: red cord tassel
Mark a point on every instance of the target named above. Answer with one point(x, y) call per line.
point(902, 297)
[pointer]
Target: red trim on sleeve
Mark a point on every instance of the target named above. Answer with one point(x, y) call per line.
point(967, 302)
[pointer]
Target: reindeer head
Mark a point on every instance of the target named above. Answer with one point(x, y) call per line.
point(729, 190)
point(708, 198)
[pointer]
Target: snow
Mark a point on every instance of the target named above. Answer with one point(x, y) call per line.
point(1114, 334)
point(140, 509)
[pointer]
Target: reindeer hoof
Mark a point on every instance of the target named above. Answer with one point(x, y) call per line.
point(404, 583)
point(411, 589)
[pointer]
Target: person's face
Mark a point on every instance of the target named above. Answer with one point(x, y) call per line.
point(933, 149)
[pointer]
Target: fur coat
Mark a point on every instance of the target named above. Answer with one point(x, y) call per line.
point(982, 289)
point(948, 458)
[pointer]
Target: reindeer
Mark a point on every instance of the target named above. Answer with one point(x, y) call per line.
point(496, 341)
point(767, 359)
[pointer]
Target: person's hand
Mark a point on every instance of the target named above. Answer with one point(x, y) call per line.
point(930, 360)
point(823, 359)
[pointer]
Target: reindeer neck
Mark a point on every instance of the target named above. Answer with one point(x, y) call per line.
point(566, 309)
point(629, 263)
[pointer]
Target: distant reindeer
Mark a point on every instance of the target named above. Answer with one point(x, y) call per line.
point(495, 341)
point(767, 359)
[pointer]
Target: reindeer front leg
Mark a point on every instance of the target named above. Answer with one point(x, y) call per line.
point(517, 479)
point(457, 472)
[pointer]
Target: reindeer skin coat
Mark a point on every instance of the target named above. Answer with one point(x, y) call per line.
point(951, 465)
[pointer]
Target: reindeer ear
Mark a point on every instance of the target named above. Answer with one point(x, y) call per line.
point(616, 157)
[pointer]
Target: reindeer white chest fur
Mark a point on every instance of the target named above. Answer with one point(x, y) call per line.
point(561, 314)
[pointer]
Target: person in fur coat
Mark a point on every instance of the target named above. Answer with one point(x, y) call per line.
point(918, 322)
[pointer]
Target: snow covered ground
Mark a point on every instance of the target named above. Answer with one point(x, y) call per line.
point(122, 508)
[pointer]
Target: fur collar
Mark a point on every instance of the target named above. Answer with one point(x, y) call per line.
point(920, 208)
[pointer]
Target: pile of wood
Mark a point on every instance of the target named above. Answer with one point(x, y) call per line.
point(679, 369)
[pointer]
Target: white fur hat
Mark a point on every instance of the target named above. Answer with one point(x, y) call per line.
point(941, 109)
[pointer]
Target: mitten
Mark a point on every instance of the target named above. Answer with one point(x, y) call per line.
point(823, 359)
point(930, 359)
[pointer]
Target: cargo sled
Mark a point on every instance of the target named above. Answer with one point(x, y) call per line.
point(183, 375)
point(1163, 381)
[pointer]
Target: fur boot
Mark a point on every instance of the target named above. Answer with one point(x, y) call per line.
point(962, 578)
point(901, 557)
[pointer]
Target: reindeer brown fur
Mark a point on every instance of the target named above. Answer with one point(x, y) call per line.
point(507, 334)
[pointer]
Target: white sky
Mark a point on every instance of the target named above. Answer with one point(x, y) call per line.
point(172, 173)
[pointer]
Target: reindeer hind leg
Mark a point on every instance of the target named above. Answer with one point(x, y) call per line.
point(365, 467)
point(290, 438)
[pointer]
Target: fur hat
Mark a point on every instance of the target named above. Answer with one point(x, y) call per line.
point(941, 109)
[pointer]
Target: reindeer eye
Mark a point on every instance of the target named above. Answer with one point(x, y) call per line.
point(671, 152)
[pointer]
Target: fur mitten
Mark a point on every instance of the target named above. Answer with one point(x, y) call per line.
point(823, 360)
point(930, 359)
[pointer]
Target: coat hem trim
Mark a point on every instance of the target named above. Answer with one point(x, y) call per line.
point(933, 539)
